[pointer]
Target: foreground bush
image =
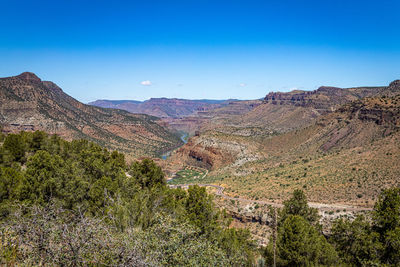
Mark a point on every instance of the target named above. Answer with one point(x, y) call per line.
point(299, 241)
point(375, 241)
point(76, 203)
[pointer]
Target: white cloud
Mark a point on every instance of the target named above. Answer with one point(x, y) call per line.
point(242, 85)
point(146, 83)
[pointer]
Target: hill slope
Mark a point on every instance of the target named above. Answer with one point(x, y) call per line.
point(347, 155)
point(27, 103)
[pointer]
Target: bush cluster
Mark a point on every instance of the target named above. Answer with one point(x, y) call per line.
point(76, 203)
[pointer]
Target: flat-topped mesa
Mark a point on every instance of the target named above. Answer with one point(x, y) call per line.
point(29, 76)
point(328, 98)
point(330, 90)
point(295, 98)
point(290, 96)
point(299, 95)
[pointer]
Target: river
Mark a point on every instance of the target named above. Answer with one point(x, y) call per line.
point(184, 138)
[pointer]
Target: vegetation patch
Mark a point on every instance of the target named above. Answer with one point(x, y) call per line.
point(189, 175)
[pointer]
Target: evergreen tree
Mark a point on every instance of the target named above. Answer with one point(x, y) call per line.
point(300, 244)
point(15, 146)
point(147, 174)
point(200, 209)
point(298, 205)
point(356, 242)
point(387, 224)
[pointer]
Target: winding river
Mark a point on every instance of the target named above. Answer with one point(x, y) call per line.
point(184, 138)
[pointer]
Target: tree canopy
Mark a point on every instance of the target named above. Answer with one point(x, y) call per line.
point(85, 185)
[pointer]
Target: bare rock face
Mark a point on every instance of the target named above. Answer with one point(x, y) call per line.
point(212, 152)
point(246, 217)
point(204, 155)
point(29, 76)
point(325, 99)
point(361, 121)
point(382, 111)
point(393, 89)
point(27, 103)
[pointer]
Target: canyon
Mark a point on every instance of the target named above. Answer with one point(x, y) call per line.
point(287, 139)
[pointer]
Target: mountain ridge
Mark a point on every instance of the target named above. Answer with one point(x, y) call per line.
point(162, 107)
point(28, 103)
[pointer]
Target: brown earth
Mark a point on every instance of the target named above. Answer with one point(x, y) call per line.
point(346, 154)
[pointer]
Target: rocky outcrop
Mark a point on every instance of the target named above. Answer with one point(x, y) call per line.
point(251, 217)
point(214, 152)
point(361, 121)
point(325, 99)
point(199, 154)
point(382, 111)
point(393, 89)
point(29, 76)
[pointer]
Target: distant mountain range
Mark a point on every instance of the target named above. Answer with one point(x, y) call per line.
point(277, 111)
point(28, 103)
point(162, 107)
point(281, 112)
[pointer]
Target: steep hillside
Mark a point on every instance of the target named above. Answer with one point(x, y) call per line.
point(27, 103)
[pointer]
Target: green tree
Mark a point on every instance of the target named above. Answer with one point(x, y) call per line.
point(387, 224)
point(10, 186)
point(10, 181)
point(238, 245)
point(300, 244)
point(356, 242)
point(147, 174)
point(200, 209)
point(15, 145)
point(38, 140)
point(297, 205)
point(44, 177)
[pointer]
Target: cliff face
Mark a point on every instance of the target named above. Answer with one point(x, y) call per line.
point(382, 111)
point(204, 154)
point(324, 99)
point(361, 122)
point(27, 103)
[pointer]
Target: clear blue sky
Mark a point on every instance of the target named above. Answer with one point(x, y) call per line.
point(200, 49)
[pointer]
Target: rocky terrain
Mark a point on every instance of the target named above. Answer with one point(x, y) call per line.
point(27, 103)
point(344, 152)
point(276, 113)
